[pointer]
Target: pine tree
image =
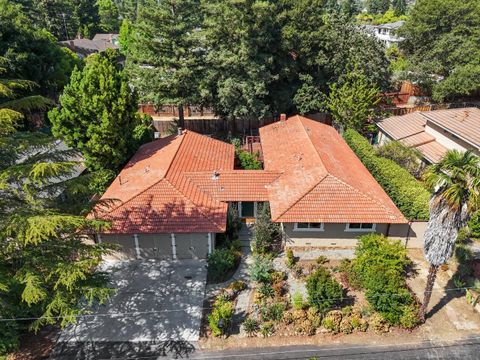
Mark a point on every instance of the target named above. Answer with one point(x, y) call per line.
point(98, 113)
point(109, 16)
point(400, 7)
point(349, 8)
point(164, 57)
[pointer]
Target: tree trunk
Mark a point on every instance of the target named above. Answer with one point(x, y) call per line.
point(181, 117)
point(432, 274)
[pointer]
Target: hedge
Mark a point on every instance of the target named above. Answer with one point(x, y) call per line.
point(410, 196)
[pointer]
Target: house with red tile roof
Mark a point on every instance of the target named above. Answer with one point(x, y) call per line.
point(172, 198)
point(433, 133)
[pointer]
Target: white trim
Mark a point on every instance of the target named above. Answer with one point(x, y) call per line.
point(372, 229)
point(174, 246)
point(209, 243)
point(296, 228)
point(137, 245)
point(99, 238)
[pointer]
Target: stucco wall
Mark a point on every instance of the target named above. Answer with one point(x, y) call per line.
point(448, 140)
point(334, 235)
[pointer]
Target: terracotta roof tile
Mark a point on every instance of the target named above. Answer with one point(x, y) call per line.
point(235, 185)
point(319, 155)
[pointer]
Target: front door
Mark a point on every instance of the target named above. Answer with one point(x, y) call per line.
point(248, 209)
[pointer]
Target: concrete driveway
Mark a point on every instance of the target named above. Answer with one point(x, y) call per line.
point(156, 301)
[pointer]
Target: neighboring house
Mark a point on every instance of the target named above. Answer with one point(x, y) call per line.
point(172, 198)
point(434, 132)
point(385, 32)
point(85, 47)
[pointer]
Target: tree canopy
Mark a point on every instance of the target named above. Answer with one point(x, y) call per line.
point(164, 56)
point(442, 40)
point(33, 54)
point(98, 113)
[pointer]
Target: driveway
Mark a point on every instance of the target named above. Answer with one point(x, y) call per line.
point(156, 301)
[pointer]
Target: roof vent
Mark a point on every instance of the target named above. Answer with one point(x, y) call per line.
point(215, 175)
point(180, 131)
point(283, 117)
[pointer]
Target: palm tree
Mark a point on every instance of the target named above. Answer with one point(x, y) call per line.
point(455, 182)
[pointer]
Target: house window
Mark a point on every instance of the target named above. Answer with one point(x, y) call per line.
point(360, 227)
point(308, 226)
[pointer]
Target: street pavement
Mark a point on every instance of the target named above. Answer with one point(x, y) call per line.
point(468, 349)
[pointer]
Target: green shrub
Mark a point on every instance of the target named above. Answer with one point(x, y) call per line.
point(407, 193)
point(260, 269)
point(410, 318)
point(378, 323)
point(220, 318)
point(238, 285)
point(266, 329)
point(332, 321)
point(297, 300)
point(289, 258)
point(265, 233)
point(323, 290)
point(474, 225)
point(266, 290)
point(273, 312)
point(322, 259)
point(249, 161)
point(220, 263)
point(9, 337)
point(379, 268)
point(250, 325)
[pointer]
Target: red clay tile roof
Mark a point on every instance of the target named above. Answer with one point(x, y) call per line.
point(235, 185)
point(322, 179)
point(182, 184)
point(152, 194)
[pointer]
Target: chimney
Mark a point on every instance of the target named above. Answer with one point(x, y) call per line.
point(156, 135)
point(180, 131)
point(283, 117)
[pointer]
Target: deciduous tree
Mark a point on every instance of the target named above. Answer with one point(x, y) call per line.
point(441, 44)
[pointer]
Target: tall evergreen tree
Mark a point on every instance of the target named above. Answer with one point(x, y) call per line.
point(46, 268)
point(164, 57)
point(400, 7)
point(378, 6)
point(109, 16)
point(349, 8)
point(352, 103)
point(243, 42)
point(98, 113)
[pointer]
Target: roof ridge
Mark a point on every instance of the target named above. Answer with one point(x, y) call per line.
point(363, 194)
point(199, 208)
point(300, 118)
point(301, 197)
point(149, 187)
point(184, 135)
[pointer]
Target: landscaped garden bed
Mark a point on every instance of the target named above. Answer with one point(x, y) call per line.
point(293, 297)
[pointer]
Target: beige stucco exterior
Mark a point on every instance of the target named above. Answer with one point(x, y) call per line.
point(334, 235)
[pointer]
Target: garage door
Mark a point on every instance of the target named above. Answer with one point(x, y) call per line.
point(190, 246)
point(155, 246)
point(127, 245)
